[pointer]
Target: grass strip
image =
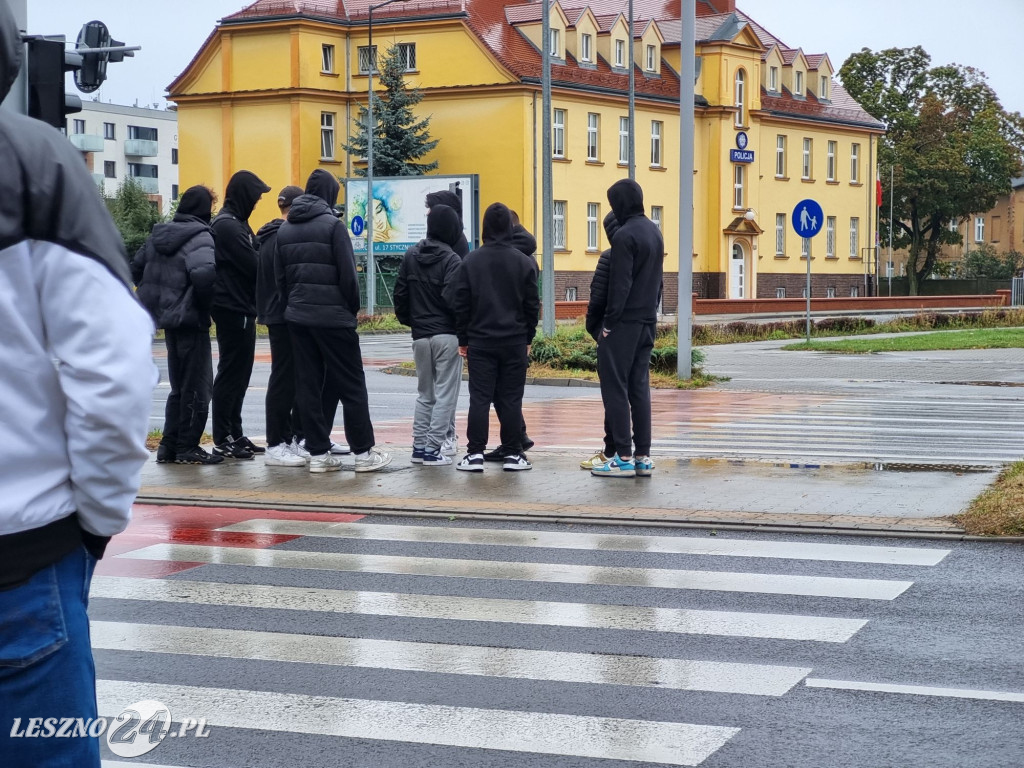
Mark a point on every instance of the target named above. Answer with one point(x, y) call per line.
point(998, 511)
point(982, 338)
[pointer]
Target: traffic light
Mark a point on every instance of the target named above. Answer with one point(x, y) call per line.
point(47, 62)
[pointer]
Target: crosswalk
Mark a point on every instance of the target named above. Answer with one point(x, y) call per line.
point(478, 645)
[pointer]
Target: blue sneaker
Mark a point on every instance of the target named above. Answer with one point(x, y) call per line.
point(644, 466)
point(417, 455)
point(615, 467)
point(435, 459)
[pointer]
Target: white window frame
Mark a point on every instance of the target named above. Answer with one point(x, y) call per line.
point(623, 140)
point(657, 216)
point(823, 93)
point(571, 293)
point(593, 136)
point(780, 292)
point(805, 247)
point(558, 230)
point(979, 229)
point(558, 133)
point(586, 48)
point(855, 163)
point(326, 59)
point(738, 178)
point(366, 59)
point(327, 122)
point(620, 53)
point(740, 93)
point(780, 156)
point(830, 292)
point(408, 52)
point(110, 131)
point(798, 83)
point(593, 212)
point(854, 291)
point(830, 165)
point(805, 167)
point(854, 237)
point(657, 129)
point(773, 79)
point(651, 59)
point(780, 234)
point(830, 237)
point(556, 39)
point(78, 126)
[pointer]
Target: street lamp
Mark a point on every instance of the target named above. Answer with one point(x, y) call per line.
point(371, 264)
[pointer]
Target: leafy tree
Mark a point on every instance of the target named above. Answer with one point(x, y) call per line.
point(985, 261)
point(133, 213)
point(399, 140)
point(952, 146)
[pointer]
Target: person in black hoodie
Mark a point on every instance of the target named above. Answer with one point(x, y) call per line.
point(234, 312)
point(452, 200)
point(427, 269)
point(175, 273)
point(496, 308)
point(315, 271)
point(626, 335)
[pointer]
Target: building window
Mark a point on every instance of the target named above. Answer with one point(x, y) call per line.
point(823, 93)
point(109, 169)
point(855, 163)
point(326, 135)
point(174, 191)
point(555, 40)
point(773, 79)
point(830, 166)
point(141, 132)
point(780, 234)
point(407, 53)
point(109, 131)
point(854, 238)
point(737, 186)
point(623, 140)
point(143, 171)
point(620, 53)
point(805, 169)
point(651, 58)
point(174, 155)
point(830, 292)
point(367, 59)
point(803, 292)
point(570, 293)
point(780, 293)
point(854, 291)
point(327, 59)
point(593, 212)
point(656, 126)
point(780, 157)
point(741, 78)
point(593, 121)
point(657, 214)
point(586, 42)
point(805, 247)
point(830, 237)
point(798, 90)
point(558, 133)
point(979, 229)
point(79, 127)
point(559, 228)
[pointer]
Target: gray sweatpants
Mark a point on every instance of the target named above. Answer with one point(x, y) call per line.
point(438, 375)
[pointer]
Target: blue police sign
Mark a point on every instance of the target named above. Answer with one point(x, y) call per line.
point(808, 218)
point(357, 225)
point(741, 155)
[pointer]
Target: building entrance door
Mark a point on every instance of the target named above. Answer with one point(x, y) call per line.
point(737, 273)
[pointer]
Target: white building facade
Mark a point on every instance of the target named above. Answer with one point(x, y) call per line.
point(119, 142)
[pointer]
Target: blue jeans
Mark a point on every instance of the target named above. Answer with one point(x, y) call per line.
point(46, 665)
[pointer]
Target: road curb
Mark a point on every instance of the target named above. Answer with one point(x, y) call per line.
point(398, 370)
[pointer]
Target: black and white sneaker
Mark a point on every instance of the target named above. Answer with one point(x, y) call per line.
point(197, 455)
point(232, 449)
point(165, 454)
point(517, 462)
point(249, 445)
point(471, 462)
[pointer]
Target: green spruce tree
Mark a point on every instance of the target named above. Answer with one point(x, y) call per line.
point(133, 213)
point(399, 140)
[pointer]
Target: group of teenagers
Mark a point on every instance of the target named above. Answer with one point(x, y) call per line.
point(297, 275)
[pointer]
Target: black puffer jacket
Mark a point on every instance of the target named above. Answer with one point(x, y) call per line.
point(599, 283)
point(449, 198)
point(638, 254)
point(314, 267)
point(175, 272)
point(269, 308)
point(494, 294)
point(428, 267)
point(235, 245)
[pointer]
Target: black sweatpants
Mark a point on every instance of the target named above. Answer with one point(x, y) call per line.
point(329, 364)
point(624, 365)
point(190, 371)
point(236, 348)
point(496, 375)
point(283, 420)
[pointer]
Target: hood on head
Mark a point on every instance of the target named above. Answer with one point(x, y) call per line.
point(611, 225)
point(169, 238)
point(445, 197)
point(196, 201)
point(443, 224)
point(323, 185)
point(243, 192)
point(627, 199)
point(306, 207)
point(497, 223)
point(268, 229)
point(10, 50)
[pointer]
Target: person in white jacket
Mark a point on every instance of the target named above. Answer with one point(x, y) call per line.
point(76, 384)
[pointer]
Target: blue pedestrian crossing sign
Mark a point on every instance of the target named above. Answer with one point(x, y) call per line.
point(808, 218)
point(357, 225)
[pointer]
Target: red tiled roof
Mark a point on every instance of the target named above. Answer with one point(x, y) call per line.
point(814, 59)
point(607, 21)
point(842, 109)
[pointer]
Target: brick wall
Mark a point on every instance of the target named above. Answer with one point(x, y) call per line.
point(795, 283)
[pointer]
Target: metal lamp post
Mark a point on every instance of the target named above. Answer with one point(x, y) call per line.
point(687, 83)
point(371, 263)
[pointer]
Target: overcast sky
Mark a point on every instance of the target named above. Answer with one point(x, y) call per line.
point(171, 33)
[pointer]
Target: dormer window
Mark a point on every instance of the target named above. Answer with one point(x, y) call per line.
point(823, 92)
point(773, 79)
point(555, 38)
point(741, 80)
point(585, 48)
point(620, 53)
point(798, 89)
point(651, 58)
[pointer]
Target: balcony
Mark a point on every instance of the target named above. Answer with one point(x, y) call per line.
point(87, 142)
point(141, 148)
point(98, 178)
point(149, 185)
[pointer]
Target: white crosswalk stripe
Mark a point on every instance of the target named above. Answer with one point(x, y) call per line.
point(137, 616)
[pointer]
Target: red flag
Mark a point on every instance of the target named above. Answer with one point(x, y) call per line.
point(878, 193)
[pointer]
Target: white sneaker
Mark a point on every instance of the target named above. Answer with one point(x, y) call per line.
point(340, 449)
point(299, 449)
point(325, 462)
point(283, 456)
point(450, 447)
point(471, 462)
point(372, 461)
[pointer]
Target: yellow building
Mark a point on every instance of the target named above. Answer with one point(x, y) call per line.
point(275, 88)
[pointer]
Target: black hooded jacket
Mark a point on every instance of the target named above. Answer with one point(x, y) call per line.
point(494, 294)
point(175, 272)
point(427, 269)
point(449, 198)
point(314, 266)
point(269, 309)
point(235, 289)
point(637, 256)
point(599, 283)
